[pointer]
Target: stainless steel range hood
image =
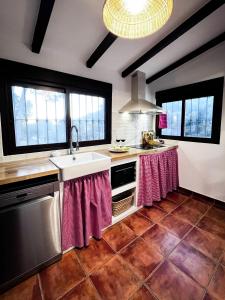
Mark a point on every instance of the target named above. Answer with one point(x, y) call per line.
point(138, 103)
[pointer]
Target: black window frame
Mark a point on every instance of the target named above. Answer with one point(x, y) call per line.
point(213, 87)
point(13, 73)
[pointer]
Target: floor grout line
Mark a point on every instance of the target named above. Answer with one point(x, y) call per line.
point(40, 286)
point(151, 291)
point(127, 245)
point(193, 279)
point(213, 274)
point(170, 231)
point(144, 216)
point(205, 293)
point(87, 276)
point(80, 281)
point(98, 294)
point(152, 274)
point(150, 224)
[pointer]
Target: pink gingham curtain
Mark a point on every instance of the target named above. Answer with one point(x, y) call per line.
point(87, 209)
point(158, 175)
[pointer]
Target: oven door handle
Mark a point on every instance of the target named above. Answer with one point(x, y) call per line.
point(121, 170)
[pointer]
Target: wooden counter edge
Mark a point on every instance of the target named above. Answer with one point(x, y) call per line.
point(136, 152)
point(14, 166)
point(52, 169)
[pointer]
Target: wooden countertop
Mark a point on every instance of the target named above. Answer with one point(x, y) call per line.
point(133, 152)
point(33, 168)
point(26, 169)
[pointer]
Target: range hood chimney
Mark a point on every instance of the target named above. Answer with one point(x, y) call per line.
point(138, 103)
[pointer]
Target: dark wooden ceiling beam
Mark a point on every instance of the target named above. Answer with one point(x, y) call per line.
point(197, 17)
point(44, 15)
point(212, 43)
point(101, 49)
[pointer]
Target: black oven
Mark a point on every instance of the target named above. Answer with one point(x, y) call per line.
point(123, 174)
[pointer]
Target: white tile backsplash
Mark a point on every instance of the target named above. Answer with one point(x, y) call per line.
point(130, 126)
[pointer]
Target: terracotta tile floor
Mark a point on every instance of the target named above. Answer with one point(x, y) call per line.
point(172, 251)
point(167, 205)
point(155, 214)
point(138, 223)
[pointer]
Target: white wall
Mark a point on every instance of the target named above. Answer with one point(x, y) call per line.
point(201, 166)
point(128, 126)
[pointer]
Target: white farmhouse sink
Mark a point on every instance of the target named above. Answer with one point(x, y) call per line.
point(81, 164)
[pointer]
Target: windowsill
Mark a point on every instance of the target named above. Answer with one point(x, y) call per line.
point(173, 142)
point(191, 139)
point(44, 154)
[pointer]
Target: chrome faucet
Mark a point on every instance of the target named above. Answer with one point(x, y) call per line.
point(71, 150)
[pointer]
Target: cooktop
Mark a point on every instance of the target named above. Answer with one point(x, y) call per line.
point(147, 147)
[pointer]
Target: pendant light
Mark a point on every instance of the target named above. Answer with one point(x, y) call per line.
point(134, 19)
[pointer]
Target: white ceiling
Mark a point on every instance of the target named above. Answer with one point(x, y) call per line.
point(76, 28)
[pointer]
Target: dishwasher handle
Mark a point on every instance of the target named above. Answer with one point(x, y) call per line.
point(15, 197)
point(21, 195)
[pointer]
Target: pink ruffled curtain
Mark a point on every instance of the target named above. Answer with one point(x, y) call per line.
point(158, 176)
point(87, 209)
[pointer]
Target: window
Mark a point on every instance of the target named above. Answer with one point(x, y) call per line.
point(39, 106)
point(198, 117)
point(193, 111)
point(88, 114)
point(173, 110)
point(39, 116)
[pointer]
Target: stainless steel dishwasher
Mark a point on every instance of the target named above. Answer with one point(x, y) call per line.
point(30, 236)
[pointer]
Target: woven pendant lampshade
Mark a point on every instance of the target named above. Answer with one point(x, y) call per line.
point(134, 19)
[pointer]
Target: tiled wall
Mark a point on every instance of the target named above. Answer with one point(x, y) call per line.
point(130, 126)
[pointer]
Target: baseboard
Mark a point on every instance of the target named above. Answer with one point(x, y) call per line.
point(217, 203)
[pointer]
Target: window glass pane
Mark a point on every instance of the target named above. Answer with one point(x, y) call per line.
point(21, 133)
point(198, 117)
point(32, 132)
point(82, 132)
point(201, 117)
point(95, 108)
point(209, 105)
point(187, 127)
point(194, 117)
point(51, 105)
point(101, 129)
point(90, 131)
point(75, 107)
point(41, 105)
point(18, 103)
point(83, 108)
point(52, 131)
point(42, 132)
point(39, 116)
point(88, 114)
point(60, 106)
point(96, 130)
point(31, 108)
point(101, 109)
point(89, 111)
point(174, 111)
point(61, 133)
